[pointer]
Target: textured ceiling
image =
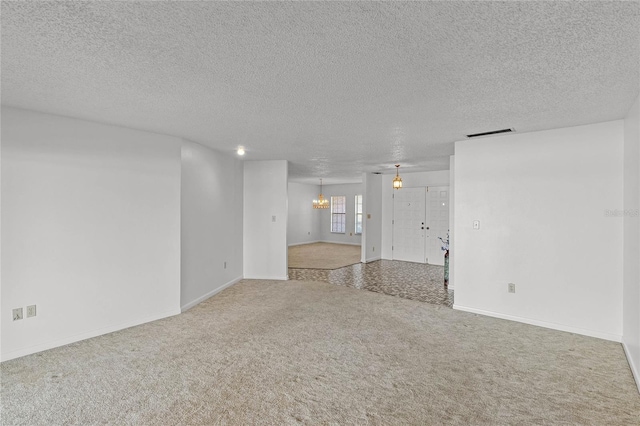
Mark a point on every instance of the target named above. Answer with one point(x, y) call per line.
point(336, 88)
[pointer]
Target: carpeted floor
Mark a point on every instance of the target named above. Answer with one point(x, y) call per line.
point(290, 352)
point(323, 256)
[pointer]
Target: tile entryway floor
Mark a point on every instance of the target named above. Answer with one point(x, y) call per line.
point(408, 280)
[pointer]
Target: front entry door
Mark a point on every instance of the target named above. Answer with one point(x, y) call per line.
point(437, 223)
point(409, 225)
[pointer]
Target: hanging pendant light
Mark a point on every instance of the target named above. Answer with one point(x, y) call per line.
point(321, 202)
point(397, 181)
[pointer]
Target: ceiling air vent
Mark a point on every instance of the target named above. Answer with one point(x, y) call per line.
point(493, 132)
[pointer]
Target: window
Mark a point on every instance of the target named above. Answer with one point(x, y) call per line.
point(358, 214)
point(338, 214)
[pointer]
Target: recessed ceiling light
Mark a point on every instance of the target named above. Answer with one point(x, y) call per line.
point(240, 150)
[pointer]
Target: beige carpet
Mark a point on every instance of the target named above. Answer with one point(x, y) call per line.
point(323, 256)
point(264, 352)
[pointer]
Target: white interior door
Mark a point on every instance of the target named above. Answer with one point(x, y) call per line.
point(437, 222)
point(409, 225)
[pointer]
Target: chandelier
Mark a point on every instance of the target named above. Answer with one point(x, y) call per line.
point(321, 202)
point(397, 181)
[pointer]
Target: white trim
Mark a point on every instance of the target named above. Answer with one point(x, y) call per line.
point(87, 335)
point(372, 259)
point(302, 244)
point(328, 242)
point(339, 242)
point(213, 292)
point(279, 278)
point(553, 326)
point(634, 368)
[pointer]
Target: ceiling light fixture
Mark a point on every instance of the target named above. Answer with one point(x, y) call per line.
point(321, 202)
point(397, 181)
point(240, 150)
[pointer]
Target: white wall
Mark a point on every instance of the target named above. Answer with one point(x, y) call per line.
point(631, 250)
point(409, 180)
point(349, 191)
point(211, 226)
point(541, 199)
point(372, 221)
point(452, 209)
point(265, 219)
point(90, 229)
point(304, 220)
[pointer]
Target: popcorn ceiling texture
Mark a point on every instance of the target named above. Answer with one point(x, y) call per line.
point(337, 88)
point(294, 352)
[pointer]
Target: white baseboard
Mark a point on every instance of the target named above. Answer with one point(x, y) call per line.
point(87, 335)
point(632, 365)
point(274, 278)
point(338, 242)
point(213, 292)
point(553, 326)
point(324, 241)
point(302, 244)
point(372, 259)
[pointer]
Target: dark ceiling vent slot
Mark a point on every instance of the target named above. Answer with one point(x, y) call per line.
point(493, 132)
point(377, 173)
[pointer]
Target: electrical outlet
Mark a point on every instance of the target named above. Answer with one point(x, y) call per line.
point(512, 288)
point(373, 248)
point(17, 314)
point(476, 224)
point(31, 311)
point(225, 265)
point(273, 218)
